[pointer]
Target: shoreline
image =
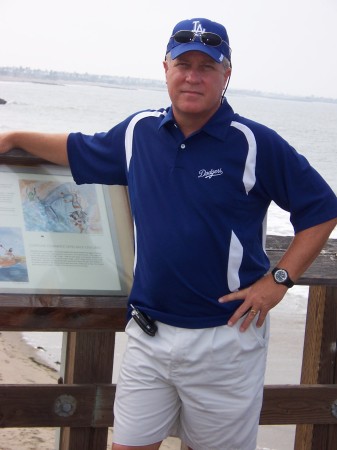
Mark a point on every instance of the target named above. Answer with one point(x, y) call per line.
point(65, 78)
point(16, 354)
point(20, 364)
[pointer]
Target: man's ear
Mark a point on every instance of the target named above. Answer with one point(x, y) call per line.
point(165, 65)
point(227, 76)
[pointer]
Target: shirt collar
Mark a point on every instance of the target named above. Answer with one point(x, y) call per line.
point(217, 125)
point(168, 118)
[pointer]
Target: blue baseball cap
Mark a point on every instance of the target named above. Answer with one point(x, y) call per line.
point(202, 35)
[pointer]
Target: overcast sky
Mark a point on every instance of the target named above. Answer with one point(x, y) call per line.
point(281, 46)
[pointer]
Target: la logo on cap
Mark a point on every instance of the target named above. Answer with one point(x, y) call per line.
point(197, 27)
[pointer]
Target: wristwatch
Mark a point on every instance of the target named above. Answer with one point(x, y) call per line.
point(281, 276)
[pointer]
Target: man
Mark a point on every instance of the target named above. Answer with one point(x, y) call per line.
point(200, 180)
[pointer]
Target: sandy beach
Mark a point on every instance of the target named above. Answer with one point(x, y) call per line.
point(22, 364)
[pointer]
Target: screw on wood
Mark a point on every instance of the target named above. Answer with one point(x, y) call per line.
point(334, 409)
point(65, 405)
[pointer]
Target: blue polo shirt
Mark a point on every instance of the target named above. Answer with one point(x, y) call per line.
point(199, 205)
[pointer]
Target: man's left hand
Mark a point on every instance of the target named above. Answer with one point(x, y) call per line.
point(259, 299)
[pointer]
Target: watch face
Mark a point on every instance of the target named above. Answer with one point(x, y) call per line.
point(280, 276)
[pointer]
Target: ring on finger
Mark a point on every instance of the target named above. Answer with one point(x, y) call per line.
point(253, 312)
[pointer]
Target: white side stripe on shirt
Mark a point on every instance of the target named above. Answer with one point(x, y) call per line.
point(128, 154)
point(249, 172)
point(234, 263)
point(131, 127)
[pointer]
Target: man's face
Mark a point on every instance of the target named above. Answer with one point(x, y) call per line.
point(195, 84)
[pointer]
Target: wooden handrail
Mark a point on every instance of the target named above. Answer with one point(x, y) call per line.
point(83, 405)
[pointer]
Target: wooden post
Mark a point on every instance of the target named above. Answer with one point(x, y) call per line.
point(319, 362)
point(89, 357)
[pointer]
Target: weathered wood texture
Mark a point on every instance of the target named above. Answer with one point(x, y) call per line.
point(303, 404)
point(37, 405)
point(89, 359)
point(61, 313)
point(319, 363)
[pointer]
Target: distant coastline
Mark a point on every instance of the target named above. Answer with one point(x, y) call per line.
point(26, 74)
point(58, 78)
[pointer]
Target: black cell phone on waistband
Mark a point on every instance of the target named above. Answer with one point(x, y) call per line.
point(144, 321)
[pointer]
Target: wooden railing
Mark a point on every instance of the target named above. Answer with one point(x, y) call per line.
point(82, 404)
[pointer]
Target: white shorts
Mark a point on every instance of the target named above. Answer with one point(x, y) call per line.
point(204, 386)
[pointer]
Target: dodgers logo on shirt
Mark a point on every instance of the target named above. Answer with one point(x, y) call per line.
point(203, 173)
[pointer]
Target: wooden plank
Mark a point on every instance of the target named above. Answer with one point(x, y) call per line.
point(311, 356)
point(105, 397)
point(55, 313)
point(93, 357)
point(84, 438)
point(89, 359)
point(62, 319)
point(326, 436)
point(313, 338)
point(304, 404)
point(37, 405)
point(34, 405)
point(319, 361)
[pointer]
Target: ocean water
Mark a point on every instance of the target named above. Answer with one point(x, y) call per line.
point(311, 127)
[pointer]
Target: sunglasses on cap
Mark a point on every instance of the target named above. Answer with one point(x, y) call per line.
point(207, 38)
